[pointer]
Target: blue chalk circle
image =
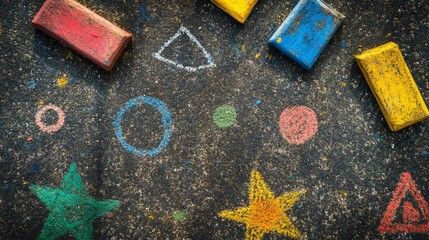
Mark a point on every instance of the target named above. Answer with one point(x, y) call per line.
point(167, 123)
point(306, 31)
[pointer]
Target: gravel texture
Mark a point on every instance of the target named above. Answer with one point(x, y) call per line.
point(349, 168)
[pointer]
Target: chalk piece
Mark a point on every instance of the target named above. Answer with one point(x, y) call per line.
point(393, 86)
point(306, 31)
point(82, 30)
point(238, 9)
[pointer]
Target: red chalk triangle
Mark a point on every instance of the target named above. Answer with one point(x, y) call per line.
point(410, 215)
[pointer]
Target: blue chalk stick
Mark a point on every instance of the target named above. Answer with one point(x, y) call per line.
point(306, 31)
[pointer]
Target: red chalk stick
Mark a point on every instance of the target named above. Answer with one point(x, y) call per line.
point(82, 30)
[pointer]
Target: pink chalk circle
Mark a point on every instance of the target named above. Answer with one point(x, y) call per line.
point(298, 124)
point(50, 128)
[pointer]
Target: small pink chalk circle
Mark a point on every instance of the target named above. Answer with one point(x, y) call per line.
point(50, 128)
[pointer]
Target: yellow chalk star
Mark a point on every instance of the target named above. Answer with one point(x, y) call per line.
point(265, 213)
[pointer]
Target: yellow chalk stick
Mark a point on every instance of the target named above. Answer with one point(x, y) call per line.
point(238, 9)
point(393, 86)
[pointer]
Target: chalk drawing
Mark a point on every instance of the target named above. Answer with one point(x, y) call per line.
point(70, 55)
point(62, 81)
point(144, 15)
point(50, 128)
point(256, 102)
point(183, 30)
point(179, 216)
point(265, 213)
point(32, 84)
point(413, 220)
point(298, 124)
point(71, 208)
point(224, 116)
point(167, 123)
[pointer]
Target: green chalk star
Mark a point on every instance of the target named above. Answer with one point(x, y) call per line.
point(71, 208)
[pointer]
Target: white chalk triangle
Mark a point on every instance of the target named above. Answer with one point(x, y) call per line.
point(183, 30)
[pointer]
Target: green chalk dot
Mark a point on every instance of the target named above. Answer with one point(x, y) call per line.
point(179, 215)
point(224, 116)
